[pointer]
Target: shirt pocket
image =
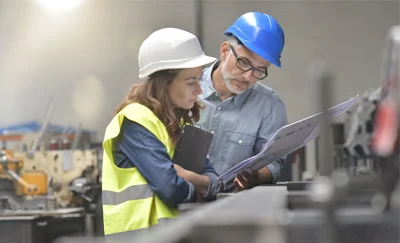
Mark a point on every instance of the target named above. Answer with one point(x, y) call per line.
point(237, 147)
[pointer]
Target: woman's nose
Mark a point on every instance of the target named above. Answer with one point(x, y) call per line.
point(198, 90)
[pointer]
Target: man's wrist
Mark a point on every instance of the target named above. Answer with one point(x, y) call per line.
point(265, 176)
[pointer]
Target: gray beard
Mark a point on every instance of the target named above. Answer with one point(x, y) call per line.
point(227, 80)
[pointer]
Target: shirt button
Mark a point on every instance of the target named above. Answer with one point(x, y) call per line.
point(208, 156)
point(219, 108)
point(240, 141)
point(212, 132)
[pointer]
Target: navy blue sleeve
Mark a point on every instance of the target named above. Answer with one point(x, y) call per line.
point(215, 185)
point(208, 168)
point(138, 147)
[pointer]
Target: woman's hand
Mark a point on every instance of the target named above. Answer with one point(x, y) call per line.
point(185, 174)
point(200, 182)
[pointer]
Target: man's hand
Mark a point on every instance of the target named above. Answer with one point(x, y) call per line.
point(246, 180)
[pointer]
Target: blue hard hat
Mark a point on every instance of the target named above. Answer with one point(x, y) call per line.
point(260, 33)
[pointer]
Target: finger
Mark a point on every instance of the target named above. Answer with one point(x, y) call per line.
point(243, 181)
point(251, 178)
point(240, 178)
point(244, 176)
point(245, 173)
point(238, 185)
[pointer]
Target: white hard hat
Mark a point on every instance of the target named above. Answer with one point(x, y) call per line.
point(170, 48)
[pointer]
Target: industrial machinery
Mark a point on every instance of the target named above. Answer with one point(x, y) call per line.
point(65, 176)
point(351, 138)
point(48, 186)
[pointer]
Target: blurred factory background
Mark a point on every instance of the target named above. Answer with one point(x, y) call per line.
point(65, 66)
point(88, 55)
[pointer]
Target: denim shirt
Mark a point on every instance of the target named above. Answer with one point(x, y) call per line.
point(241, 125)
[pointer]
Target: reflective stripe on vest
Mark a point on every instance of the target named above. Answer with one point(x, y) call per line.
point(128, 201)
point(130, 193)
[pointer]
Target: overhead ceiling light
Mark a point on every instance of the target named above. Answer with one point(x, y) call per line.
point(59, 4)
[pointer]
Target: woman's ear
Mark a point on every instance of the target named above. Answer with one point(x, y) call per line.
point(224, 50)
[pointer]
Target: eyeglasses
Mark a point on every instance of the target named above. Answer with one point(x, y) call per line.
point(246, 66)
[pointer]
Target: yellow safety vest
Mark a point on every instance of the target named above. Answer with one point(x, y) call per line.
point(128, 202)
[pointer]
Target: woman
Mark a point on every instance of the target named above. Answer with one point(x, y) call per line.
point(141, 186)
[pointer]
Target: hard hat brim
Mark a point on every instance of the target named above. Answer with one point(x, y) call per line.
point(198, 61)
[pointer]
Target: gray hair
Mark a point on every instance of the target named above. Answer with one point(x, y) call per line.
point(233, 41)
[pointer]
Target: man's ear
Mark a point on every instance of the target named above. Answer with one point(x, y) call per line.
point(224, 50)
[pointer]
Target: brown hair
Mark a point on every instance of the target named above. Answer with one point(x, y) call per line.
point(153, 94)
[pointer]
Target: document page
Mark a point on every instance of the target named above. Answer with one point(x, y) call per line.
point(288, 139)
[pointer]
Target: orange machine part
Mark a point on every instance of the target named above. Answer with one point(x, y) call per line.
point(15, 163)
point(35, 178)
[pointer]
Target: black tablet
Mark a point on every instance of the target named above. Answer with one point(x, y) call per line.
point(192, 148)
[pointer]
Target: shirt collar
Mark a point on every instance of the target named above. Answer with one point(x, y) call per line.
point(208, 89)
point(207, 85)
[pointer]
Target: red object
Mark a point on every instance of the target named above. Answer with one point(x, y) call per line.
point(65, 144)
point(385, 131)
point(53, 145)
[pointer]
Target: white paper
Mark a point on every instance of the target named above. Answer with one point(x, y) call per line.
point(288, 139)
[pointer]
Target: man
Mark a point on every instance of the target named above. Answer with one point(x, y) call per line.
point(240, 112)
